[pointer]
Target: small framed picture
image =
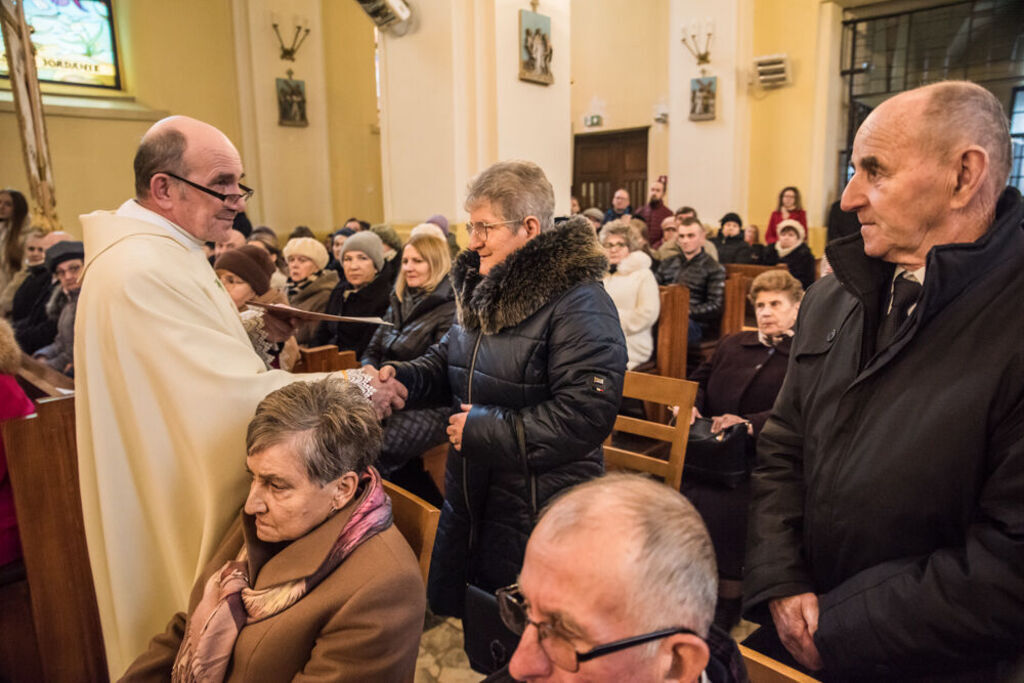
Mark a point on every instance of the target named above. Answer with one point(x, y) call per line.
point(535, 48)
point(291, 102)
point(702, 98)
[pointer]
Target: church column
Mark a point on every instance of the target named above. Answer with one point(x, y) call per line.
point(452, 103)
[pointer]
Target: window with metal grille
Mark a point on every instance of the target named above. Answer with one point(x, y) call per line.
point(975, 40)
point(1017, 137)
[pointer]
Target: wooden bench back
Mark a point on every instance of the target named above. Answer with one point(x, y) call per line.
point(327, 359)
point(42, 460)
point(667, 391)
point(417, 520)
point(763, 669)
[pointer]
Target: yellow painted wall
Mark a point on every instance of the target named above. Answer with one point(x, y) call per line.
point(177, 57)
point(620, 56)
point(781, 120)
point(352, 107)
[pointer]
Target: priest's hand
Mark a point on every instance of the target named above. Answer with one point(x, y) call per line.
point(278, 327)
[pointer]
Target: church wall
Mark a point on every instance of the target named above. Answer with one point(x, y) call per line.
point(620, 71)
point(176, 58)
point(353, 126)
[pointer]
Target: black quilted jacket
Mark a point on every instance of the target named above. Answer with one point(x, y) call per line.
point(539, 353)
point(705, 278)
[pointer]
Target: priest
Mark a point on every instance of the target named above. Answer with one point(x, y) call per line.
point(167, 380)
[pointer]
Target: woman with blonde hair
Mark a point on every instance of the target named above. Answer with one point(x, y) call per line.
point(421, 311)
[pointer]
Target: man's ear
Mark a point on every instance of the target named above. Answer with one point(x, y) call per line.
point(685, 657)
point(160, 190)
point(972, 172)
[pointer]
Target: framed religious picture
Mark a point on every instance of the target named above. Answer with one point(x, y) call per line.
point(291, 102)
point(702, 98)
point(535, 48)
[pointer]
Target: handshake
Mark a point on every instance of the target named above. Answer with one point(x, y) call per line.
point(388, 393)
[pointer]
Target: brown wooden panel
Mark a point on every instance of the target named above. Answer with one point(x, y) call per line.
point(604, 162)
point(43, 464)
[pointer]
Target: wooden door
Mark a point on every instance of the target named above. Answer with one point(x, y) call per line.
point(604, 162)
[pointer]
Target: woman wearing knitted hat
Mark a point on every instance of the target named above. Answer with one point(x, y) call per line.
point(364, 293)
point(309, 285)
point(791, 250)
point(245, 273)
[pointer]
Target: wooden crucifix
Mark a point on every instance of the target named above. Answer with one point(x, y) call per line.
point(28, 107)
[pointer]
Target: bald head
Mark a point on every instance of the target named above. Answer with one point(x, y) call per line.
point(171, 144)
point(656, 530)
point(949, 117)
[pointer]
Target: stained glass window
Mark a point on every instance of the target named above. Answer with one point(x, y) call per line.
point(74, 41)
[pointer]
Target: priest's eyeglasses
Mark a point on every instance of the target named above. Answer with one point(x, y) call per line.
point(513, 608)
point(247, 192)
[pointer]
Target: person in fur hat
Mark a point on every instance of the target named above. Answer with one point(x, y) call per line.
point(791, 249)
point(533, 367)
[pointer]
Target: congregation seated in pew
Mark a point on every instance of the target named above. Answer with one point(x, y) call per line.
point(313, 578)
point(422, 310)
point(634, 290)
point(64, 261)
point(738, 386)
point(702, 275)
point(364, 291)
point(310, 282)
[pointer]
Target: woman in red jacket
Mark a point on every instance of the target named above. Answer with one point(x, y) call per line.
point(789, 207)
point(13, 403)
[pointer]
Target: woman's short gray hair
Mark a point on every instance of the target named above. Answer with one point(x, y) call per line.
point(626, 232)
point(515, 189)
point(331, 426)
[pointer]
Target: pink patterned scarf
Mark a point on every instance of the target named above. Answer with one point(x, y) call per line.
point(229, 602)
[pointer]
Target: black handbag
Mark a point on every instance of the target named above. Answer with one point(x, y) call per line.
point(487, 641)
point(723, 458)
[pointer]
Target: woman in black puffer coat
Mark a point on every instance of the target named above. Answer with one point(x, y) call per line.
point(422, 309)
point(538, 354)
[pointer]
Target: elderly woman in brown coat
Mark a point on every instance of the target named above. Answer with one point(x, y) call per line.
point(313, 582)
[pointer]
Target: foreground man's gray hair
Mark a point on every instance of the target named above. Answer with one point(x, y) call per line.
point(676, 578)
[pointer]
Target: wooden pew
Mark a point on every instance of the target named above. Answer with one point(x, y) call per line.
point(43, 464)
point(763, 669)
point(673, 329)
point(666, 391)
point(327, 359)
point(417, 520)
point(39, 380)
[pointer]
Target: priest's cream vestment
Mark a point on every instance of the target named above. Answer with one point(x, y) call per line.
point(166, 383)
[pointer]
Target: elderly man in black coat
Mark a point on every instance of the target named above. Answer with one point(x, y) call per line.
point(887, 526)
point(534, 369)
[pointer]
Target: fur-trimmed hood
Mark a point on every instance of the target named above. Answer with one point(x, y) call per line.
point(10, 352)
point(546, 266)
point(636, 260)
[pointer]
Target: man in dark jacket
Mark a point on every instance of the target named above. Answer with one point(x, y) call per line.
point(533, 368)
point(620, 206)
point(887, 524)
point(702, 275)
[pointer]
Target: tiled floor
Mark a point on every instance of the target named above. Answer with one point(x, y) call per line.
point(442, 660)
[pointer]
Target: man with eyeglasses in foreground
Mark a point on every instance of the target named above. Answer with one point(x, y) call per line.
point(618, 584)
point(167, 381)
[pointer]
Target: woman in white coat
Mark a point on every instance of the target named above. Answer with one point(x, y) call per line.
point(632, 286)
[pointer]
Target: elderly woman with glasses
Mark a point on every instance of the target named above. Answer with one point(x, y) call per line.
point(313, 581)
point(533, 368)
point(631, 284)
